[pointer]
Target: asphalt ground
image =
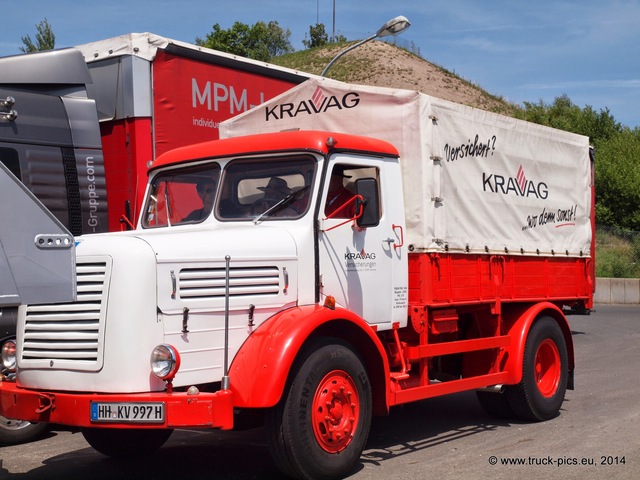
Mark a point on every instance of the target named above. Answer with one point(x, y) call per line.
point(596, 435)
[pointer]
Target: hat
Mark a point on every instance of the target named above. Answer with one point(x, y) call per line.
point(278, 185)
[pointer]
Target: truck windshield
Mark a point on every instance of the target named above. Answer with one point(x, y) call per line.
point(181, 197)
point(267, 189)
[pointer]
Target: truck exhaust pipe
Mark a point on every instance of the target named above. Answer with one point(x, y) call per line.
point(492, 389)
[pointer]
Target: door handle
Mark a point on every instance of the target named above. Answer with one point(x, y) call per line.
point(399, 227)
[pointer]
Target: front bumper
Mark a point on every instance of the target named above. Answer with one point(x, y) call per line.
point(204, 410)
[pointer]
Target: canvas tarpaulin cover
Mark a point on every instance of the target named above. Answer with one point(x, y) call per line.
point(473, 181)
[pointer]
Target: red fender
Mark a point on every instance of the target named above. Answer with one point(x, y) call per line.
point(520, 330)
point(260, 370)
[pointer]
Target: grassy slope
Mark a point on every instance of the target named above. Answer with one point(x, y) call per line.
point(386, 65)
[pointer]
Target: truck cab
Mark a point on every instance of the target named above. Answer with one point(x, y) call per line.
point(246, 236)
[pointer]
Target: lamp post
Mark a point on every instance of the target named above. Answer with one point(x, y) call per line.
point(392, 27)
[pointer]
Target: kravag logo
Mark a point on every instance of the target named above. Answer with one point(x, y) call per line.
point(518, 185)
point(362, 255)
point(318, 103)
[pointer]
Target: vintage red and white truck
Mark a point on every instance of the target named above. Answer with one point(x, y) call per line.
point(459, 241)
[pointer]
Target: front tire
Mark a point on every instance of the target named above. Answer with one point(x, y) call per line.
point(320, 427)
point(545, 371)
point(126, 442)
point(14, 432)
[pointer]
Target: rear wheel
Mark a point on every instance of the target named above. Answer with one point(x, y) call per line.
point(545, 371)
point(125, 442)
point(13, 432)
point(320, 427)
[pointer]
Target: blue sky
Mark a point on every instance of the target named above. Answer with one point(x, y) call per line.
point(522, 51)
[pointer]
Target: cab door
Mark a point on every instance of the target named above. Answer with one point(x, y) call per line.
point(364, 267)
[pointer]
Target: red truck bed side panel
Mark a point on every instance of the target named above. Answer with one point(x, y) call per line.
point(449, 279)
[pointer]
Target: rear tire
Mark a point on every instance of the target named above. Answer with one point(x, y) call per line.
point(545, 371)
point(14, 432)
point(127, 442)
point(319, 428)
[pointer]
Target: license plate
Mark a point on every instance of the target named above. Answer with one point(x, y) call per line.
point(149, 412)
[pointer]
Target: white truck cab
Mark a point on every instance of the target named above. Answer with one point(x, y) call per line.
point(226, 237)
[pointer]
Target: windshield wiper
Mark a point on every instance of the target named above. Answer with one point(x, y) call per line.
point(280, 205)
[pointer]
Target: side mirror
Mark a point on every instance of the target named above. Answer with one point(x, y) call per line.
point(367, 210)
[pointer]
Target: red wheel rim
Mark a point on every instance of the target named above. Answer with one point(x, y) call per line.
point(547, 368)
point(336, 408)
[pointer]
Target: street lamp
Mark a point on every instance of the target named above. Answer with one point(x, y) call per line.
point(392, 27)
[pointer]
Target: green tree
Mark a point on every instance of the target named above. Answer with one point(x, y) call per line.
point(565, 115)
point(261, 41)
point(618, 180)
point(317, 36)
point(45, 39)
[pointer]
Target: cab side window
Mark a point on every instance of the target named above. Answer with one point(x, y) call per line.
point(341, 197)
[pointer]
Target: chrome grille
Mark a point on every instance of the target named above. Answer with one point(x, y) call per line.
point(70, 332)
point(210, 282)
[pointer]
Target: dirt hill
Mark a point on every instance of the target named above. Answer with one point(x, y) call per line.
point(382, 64)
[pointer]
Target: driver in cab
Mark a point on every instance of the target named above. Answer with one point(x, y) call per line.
point(275, 192)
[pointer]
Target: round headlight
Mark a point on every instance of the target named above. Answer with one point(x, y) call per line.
point(165, 361)
point(9, 355)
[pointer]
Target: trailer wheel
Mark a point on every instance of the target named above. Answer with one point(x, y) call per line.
point(14, 432)
point(320, 427)
point(540, 393)
point(126, 443)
